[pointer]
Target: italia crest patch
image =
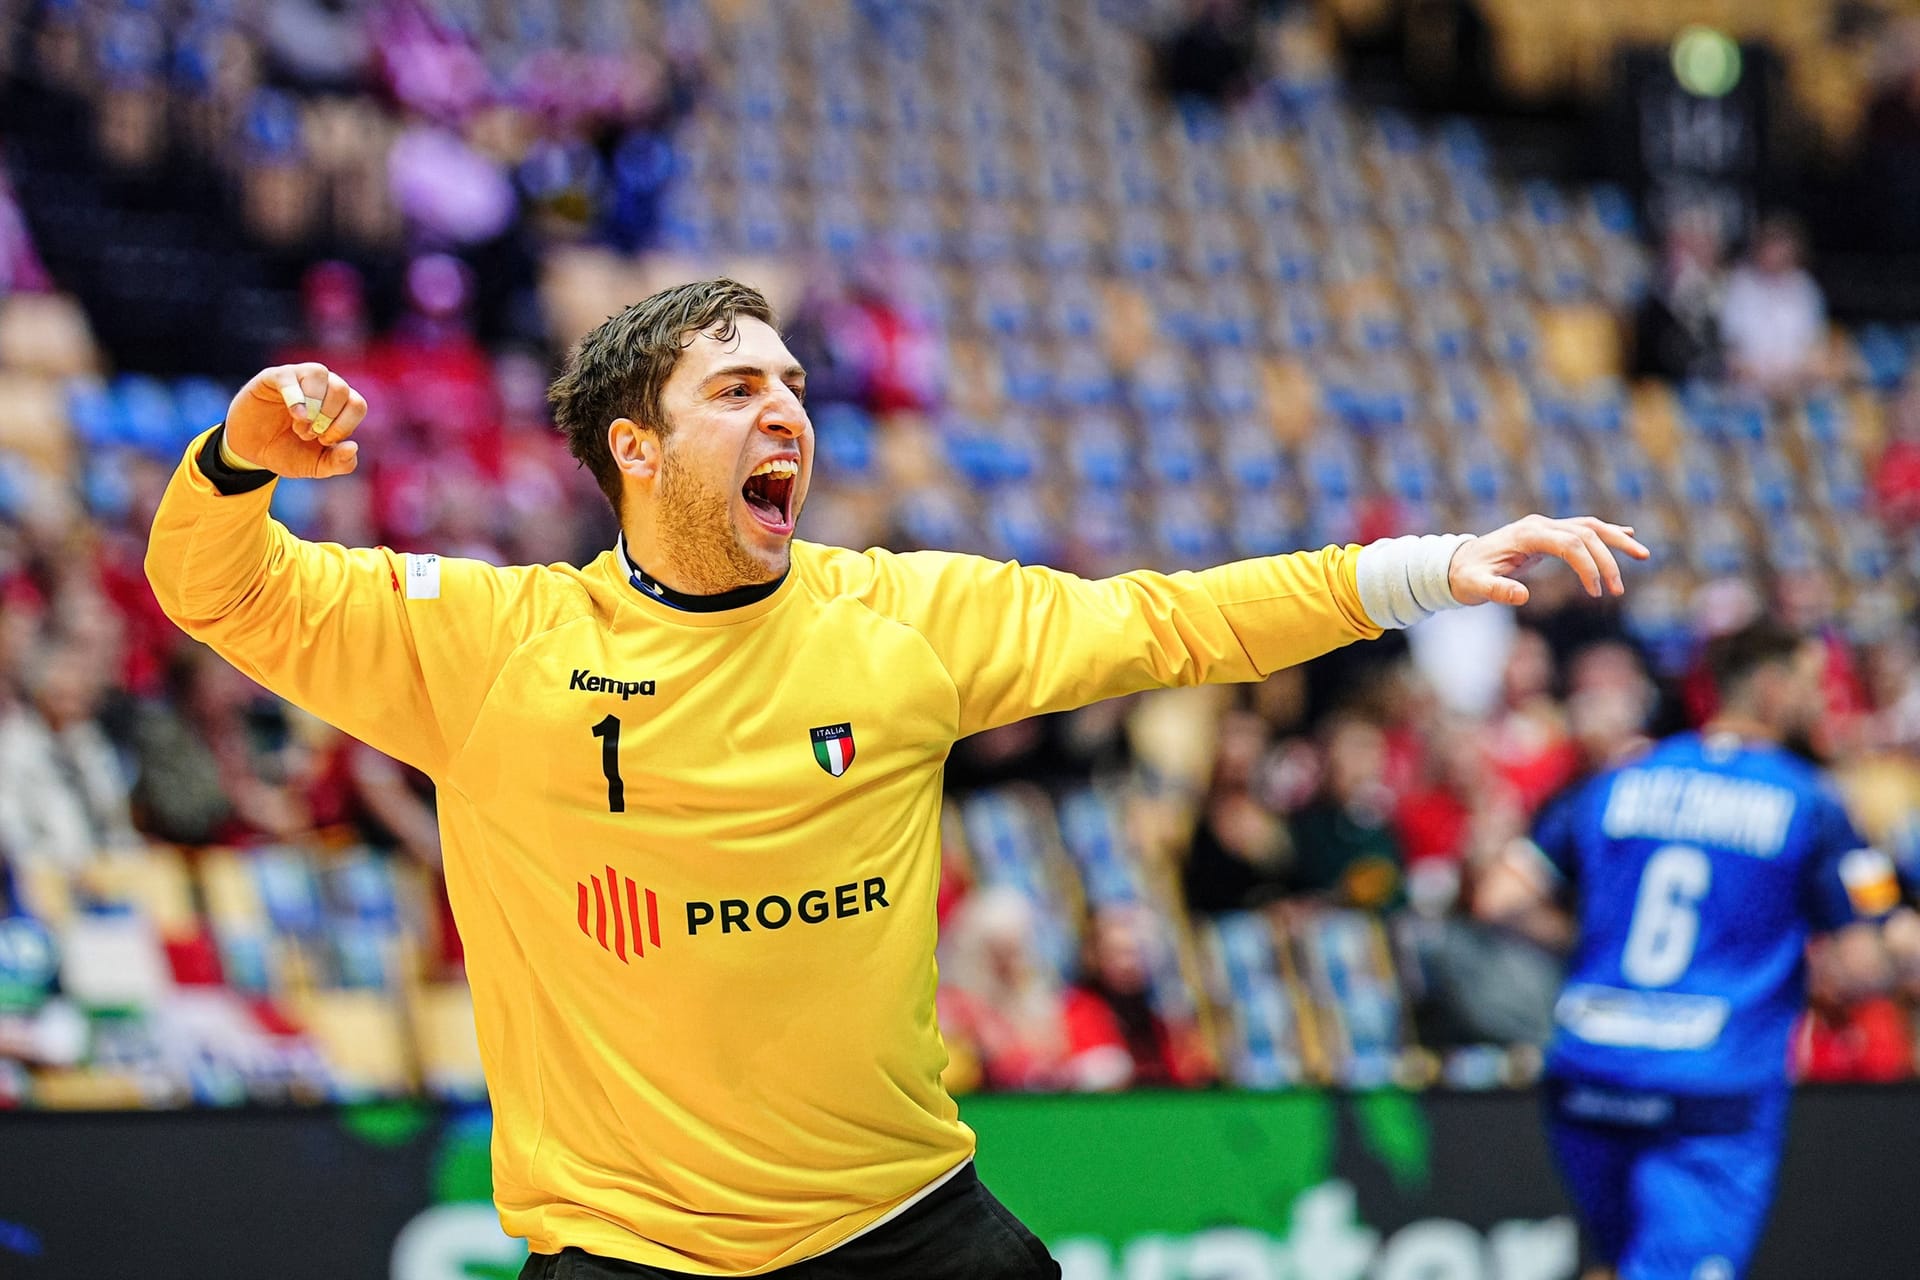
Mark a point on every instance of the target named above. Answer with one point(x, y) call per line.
point(833, 747)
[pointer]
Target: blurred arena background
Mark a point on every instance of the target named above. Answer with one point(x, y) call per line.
point(1096, 283)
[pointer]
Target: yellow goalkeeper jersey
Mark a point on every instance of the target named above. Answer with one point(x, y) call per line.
point(693, 855)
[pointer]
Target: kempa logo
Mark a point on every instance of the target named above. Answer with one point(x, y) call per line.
point(586, 682)
point(603, 909)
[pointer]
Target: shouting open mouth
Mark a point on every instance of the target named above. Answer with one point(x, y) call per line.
point(769, 493)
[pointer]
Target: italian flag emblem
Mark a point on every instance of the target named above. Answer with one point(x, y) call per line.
point(833, 747)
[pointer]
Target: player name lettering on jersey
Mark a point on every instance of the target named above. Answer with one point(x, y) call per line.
point(1688, 805)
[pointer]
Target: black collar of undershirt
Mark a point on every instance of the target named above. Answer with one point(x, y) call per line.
point(738, 598)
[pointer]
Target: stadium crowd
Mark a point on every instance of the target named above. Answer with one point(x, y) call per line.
point(1367, 789)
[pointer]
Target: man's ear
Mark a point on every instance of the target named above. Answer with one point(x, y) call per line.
point(636, 449)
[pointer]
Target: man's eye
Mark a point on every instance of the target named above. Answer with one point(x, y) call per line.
point(738, 389)
point(799, 393)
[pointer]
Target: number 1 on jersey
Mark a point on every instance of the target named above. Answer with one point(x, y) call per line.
point(608, 731)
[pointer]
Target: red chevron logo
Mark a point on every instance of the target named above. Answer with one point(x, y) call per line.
point(617, 899)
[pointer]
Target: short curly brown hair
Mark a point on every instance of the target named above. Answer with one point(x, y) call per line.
point(620, 369)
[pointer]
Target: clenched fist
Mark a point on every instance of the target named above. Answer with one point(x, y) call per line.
point(1483, 568)
point(294, 420)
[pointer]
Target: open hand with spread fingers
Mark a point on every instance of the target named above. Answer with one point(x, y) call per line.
point(1484, 568)
point(294, 420)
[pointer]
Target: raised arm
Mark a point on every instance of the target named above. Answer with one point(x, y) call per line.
point(1021, 641)
point(396, 650)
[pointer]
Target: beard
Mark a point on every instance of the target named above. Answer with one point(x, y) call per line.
point(696, 520)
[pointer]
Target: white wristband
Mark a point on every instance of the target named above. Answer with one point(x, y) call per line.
point(1403, 580)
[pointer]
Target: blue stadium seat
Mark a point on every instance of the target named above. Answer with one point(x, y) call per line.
point(1173, 454)
point(1007, 850)
point(1026, 375)
point(1085, 379)
point(1559, 476)
point(1100, 453)
point(1231, 388)
point(1482, 471)
point(933, 517)
point(1018, 527)
point(1771, 486)
point(1612, 209)
point(1261, 526)
point(1095, 835)
point(1883, 353)
point(1301, 324)
point(1186, 533)
point(149, 417)
point(1266, 1035)
point(1330, 467)
point(844, 436)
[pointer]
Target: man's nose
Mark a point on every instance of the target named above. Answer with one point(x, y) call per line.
point(785, 418)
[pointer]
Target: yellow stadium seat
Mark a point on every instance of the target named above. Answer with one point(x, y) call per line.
point(445, 1041)
point(90, 1089)
point(1653, 417)
point(362, 1036)
point(1292, 397)
point(33, 421)
point(46, 333)
point(154, 880)
point(1580, 343)
point(233, 901)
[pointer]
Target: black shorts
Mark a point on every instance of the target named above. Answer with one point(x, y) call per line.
point(960, 1232)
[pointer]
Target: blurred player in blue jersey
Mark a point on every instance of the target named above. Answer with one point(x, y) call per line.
point(1697, 874)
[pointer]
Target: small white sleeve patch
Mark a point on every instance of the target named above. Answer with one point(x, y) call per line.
point(423, 577)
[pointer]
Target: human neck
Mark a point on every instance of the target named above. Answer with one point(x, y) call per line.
point(1741, 724)
point(683, 574)
point(641, 575)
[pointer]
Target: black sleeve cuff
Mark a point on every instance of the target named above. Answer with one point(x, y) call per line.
point(230, 481)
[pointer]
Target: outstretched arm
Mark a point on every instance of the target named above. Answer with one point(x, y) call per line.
point(1021, 641)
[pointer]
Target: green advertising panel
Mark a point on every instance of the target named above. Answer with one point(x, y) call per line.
point(1196, 1186)
point(1281, 1186)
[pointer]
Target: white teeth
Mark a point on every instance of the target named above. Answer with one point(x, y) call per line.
point(778, 467)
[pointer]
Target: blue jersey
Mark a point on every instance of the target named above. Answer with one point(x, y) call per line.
point(1700, 870)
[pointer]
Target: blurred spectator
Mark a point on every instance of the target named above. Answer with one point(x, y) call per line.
point(62, 798)
point(1677, 325)
point(1240, 855)
point(1610, 704)
point(1003, 1008)
point(1344, 842)
point(20, 268)
point(452, 194)
point(1456, 807)
point(1896, 474)
point(1531, 749)
point(1209, 58)
point(1887, 210)
point(209, 770)
point(319, 44)
point(1116, 1037)
point(1893, 684)
point(1774, 317)
point(1850, 1035)
point(389, 805)
point(1484, 983)
point(1460, 654)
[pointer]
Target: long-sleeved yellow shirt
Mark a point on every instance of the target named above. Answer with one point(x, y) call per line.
point(693, 856)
